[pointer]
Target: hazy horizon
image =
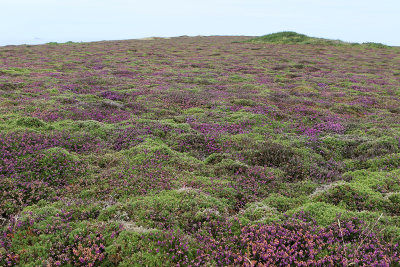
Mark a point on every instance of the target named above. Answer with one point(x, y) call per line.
point(44, 21)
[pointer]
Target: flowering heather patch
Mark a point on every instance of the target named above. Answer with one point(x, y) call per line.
point(197, 151)
point(304, 244)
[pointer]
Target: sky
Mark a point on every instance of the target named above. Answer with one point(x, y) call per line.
point(42, 21)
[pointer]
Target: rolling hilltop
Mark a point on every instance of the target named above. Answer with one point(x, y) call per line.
point(296, 38)
point(200, 151)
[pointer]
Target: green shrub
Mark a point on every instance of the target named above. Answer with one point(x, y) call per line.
point(244, 102)
point(379, 181)
point(379, 147)
point(182, 208)
point(294, 190)
point(94, 128)
point(259, 212)
point(151, 249)
point(229, 167)
point(156, 149)
point(107, 160)
point(282, 203)
point(323, 213)
point(386, 163)
point(54, 166)
point(214, 158)
point(277, 155)
point(352, 196)
point(343, 108)
point(271, 154)
point(146, 150)
point(130, 249)
point(193, 143)
point(342, 146)
point(15, 71)
point(394, 204)
point(191, 111)
point(30, 122)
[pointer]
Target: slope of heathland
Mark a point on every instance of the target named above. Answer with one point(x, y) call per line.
point(297, 38)
point(199, 151)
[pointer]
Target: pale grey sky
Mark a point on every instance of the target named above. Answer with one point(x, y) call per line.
point(41, 21)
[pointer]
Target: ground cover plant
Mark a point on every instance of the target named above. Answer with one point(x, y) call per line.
point(200, 151)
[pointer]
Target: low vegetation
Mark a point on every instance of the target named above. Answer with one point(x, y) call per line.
point(200, 151)
point(288, 37)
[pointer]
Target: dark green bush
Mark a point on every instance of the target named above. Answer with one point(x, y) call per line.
point(30, 122)
point(276, 155)
point(394, 204)
point(229, 167)
point(379, 147)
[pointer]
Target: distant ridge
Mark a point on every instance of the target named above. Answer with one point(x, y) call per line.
point(289, 37)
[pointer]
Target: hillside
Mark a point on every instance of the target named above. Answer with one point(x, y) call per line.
point(199, 151)
point(297, 38)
